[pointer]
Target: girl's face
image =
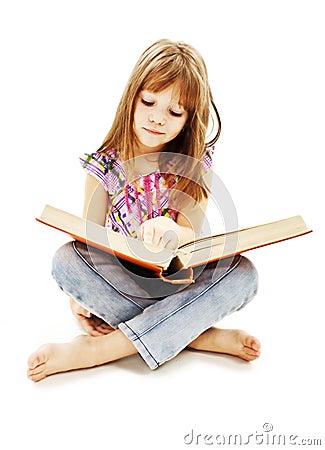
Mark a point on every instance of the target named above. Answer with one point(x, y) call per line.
point(158, 119)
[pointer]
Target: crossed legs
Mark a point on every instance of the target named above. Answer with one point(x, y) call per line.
point(104, 345)
point(155, 328)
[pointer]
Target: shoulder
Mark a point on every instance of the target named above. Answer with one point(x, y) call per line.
point(179, 159)
point(103, 162)
point(207, 159)
point(106, 167)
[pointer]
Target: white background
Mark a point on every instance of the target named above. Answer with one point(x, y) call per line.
point(64, 65)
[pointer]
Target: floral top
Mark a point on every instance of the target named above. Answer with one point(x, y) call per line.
point(132, 203)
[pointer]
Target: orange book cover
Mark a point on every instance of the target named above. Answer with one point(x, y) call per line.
point(174, 266)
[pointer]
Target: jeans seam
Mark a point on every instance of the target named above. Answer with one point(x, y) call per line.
point(105, 279)
point(138, 338)
point(191, 301)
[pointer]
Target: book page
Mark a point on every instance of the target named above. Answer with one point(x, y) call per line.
point(221, 246)
point(101, 237)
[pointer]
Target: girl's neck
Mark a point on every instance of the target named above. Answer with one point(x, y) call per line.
point(147, 164)
point(142, 165)
point(143, 150)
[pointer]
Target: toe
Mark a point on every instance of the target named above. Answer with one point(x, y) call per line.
point(253, 343)
point(34, 361)
point(249, 354)
point(37, 359)
point(250, 347)
point(36, 376)
point(37, 365)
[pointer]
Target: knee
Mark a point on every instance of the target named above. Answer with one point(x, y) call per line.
point(249, 276)
point(62, 263)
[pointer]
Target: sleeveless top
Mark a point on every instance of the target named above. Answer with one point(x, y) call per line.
point(131, 203)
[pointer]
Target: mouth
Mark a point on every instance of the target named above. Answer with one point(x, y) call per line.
point(154, 132)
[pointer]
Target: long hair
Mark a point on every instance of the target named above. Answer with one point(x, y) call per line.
point(164, 64)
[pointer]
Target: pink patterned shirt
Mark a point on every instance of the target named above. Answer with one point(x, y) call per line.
point(132, 203)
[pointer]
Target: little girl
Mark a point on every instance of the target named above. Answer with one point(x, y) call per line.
point(150, 180)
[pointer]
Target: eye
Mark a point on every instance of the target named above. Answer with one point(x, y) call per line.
point(146, 102)
point(175, 114)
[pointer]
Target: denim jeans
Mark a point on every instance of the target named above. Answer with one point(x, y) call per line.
point(159, 318)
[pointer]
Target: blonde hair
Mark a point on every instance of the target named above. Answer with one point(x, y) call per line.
point(166, 63)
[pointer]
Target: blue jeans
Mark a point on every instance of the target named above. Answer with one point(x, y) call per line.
point(159, 318)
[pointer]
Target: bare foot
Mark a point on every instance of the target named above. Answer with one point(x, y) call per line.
point(90, 323)
point(53, 358)
point(232, 342)
point(84, 351)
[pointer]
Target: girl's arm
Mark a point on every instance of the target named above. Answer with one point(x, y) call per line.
point(191, 220)
point(96, 201)
point(164, 232)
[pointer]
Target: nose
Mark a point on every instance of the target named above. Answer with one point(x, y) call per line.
point(157, 117)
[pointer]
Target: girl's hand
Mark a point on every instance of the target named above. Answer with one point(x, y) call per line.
point(93, 325)
point(162, 232)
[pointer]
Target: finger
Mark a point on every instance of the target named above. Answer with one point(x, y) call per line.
point(98, 324)
point(170, 240)
point(105, 329)
point(78, 309)
point(94, 327)
point(84, 312)
point(147, 234)
point(87, 325)
point(157, 240)
point(98, 327)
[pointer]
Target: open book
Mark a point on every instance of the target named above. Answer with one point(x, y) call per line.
point(174, 266)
